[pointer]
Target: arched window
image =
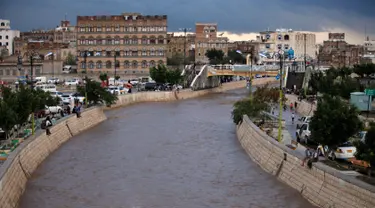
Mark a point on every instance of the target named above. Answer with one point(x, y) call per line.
point(152, 52)
point(83, 65)
point(135, 64)
point(160, 40)
point(91, 65)
point(144, 64)
point(117, 40)
point(126, 64)
point(135, 40)
point(126, 52)
point(99, 40)
point(286, 37)
point(126, 40)
point(144, 40)
point(144, 52)
point(117, 64)
point(108, 64)
point(99, 65)
point(152, 40)
point(161, 52)
point(109, 40)
point(2, 24)
point(152, 63)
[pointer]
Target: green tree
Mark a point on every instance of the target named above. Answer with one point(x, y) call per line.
point(159, 73)
point(366, 148)
point(103, 77)
point(249, 107)
point(70, 59)
point(97, 94)
point(364, 69)
point(7, 118)
point(215, 56)
point(173, 76)
point(334, 121)
point(175, 60)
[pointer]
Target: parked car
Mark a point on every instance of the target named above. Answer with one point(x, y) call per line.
point(117, 90)
point(56, 94)
point(53, 109)
point(71, 82)
point(303, 133)
point(53, 81)
point(69, 98)
point(302, 120)
point(344, 151)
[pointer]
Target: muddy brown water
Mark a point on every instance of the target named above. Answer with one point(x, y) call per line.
point(159, 155)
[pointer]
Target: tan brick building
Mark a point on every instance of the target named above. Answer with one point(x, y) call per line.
point(339, 53)
point(206, 39)
point(137, 41)
point(176, 44)
point(65, 33)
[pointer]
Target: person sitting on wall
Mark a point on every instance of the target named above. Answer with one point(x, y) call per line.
point(129, 86)
point(48, 123)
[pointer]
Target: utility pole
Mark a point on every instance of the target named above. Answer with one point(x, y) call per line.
point(185, 30)
point(86, 79)
point(115, 69)
point(304, 38)
point(281, 57)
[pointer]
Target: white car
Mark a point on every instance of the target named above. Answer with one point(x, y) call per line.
point(117, 90)
point(71, 82)
point(69, 98)
point(53, 81)
point(302, 120)
point(344, 151)
point(53, 109)
point(303, 133)
point(56, 94)
point(134, 82)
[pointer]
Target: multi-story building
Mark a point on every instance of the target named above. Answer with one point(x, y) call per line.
point(137, 42)
point(369, 50)
point(245, 47)
point(38, 35)
point(206, 38)
point(302, 43)
point(65, 33)
point(339, 53)
point(177, 44)
point(7, 35)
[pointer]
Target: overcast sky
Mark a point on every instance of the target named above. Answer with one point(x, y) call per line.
point(235, 16)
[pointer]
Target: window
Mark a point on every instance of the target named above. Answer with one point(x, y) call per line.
point(135, 40)
point(134, 53)
point(161, 40)
point(117, 53)
point(279, 46)
point(2, 24)
point(152, 40)
point(117, 28)
point(126, 40)
point(1, 37)
point(152, 29)
point(126, 53)
point(91, 65)
point(144, 64)
point(83, 65)
point(144, 52)
point(82, 29)
point(152, 63)
point(161, 52)
point(6, 37)
point(99, 65)
point(109, 41)
point(108, 29)
point(268, 46)
point(152, 52)
point(144, 40)
point(91, 42)
point(135, 64)
point(108, 64)
point(126, 64)
point(99, 28)
point(108, 53)
point(286, 37)
point(117, 64)
point(117, 40)
point(99, 41)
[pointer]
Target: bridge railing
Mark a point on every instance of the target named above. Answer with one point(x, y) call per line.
point(244, 68)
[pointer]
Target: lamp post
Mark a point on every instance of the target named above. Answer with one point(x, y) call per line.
point(281, 57)
point(115, 69)
point(31, 55)
point(86, 79)
point(185, 31)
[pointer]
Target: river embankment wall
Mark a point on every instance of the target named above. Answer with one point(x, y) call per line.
point(25, 159)
point(321, 185)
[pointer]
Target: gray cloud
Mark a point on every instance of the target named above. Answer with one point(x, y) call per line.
point(237, 16)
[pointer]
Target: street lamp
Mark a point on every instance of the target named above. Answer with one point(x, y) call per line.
point(281, 57)
point(185, 31)
point(115, 69)
point(85, 53)
point(32, 55)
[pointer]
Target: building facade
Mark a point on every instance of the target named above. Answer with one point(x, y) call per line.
point(38, 35)
point(7, 35)
point(137, 42)
point(303, 43)
point(369, 51)
point(65, 33)
point(338, 53)
point(206, 38)
point(177, 43)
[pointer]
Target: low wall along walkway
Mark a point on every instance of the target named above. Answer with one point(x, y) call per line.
point(322, 186)
point(25, 159)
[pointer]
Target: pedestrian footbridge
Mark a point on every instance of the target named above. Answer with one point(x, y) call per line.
point(242, 70)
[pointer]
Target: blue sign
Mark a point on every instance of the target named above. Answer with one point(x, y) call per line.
point(291, 54)
point(277, 77)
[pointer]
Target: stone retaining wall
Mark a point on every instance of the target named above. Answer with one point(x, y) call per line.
point(321, 185)
point(128, 99)
point(23, 161)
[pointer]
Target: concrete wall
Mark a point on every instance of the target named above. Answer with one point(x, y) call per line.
point(22, 162)
point(303, 107)
point(321, 185)
point(183, 94)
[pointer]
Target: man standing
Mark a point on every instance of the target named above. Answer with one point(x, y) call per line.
point(292, 117)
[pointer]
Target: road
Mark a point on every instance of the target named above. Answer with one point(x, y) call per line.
point(181, 154)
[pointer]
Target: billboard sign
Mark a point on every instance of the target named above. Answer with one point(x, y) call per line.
point(336, 36)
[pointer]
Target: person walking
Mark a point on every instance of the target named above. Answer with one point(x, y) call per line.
point(293, 117)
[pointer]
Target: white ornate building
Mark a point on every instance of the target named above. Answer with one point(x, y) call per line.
point(7, 35)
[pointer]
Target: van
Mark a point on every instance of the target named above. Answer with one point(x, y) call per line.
point(67, 69)
point(41, 79)
point(47, 87)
